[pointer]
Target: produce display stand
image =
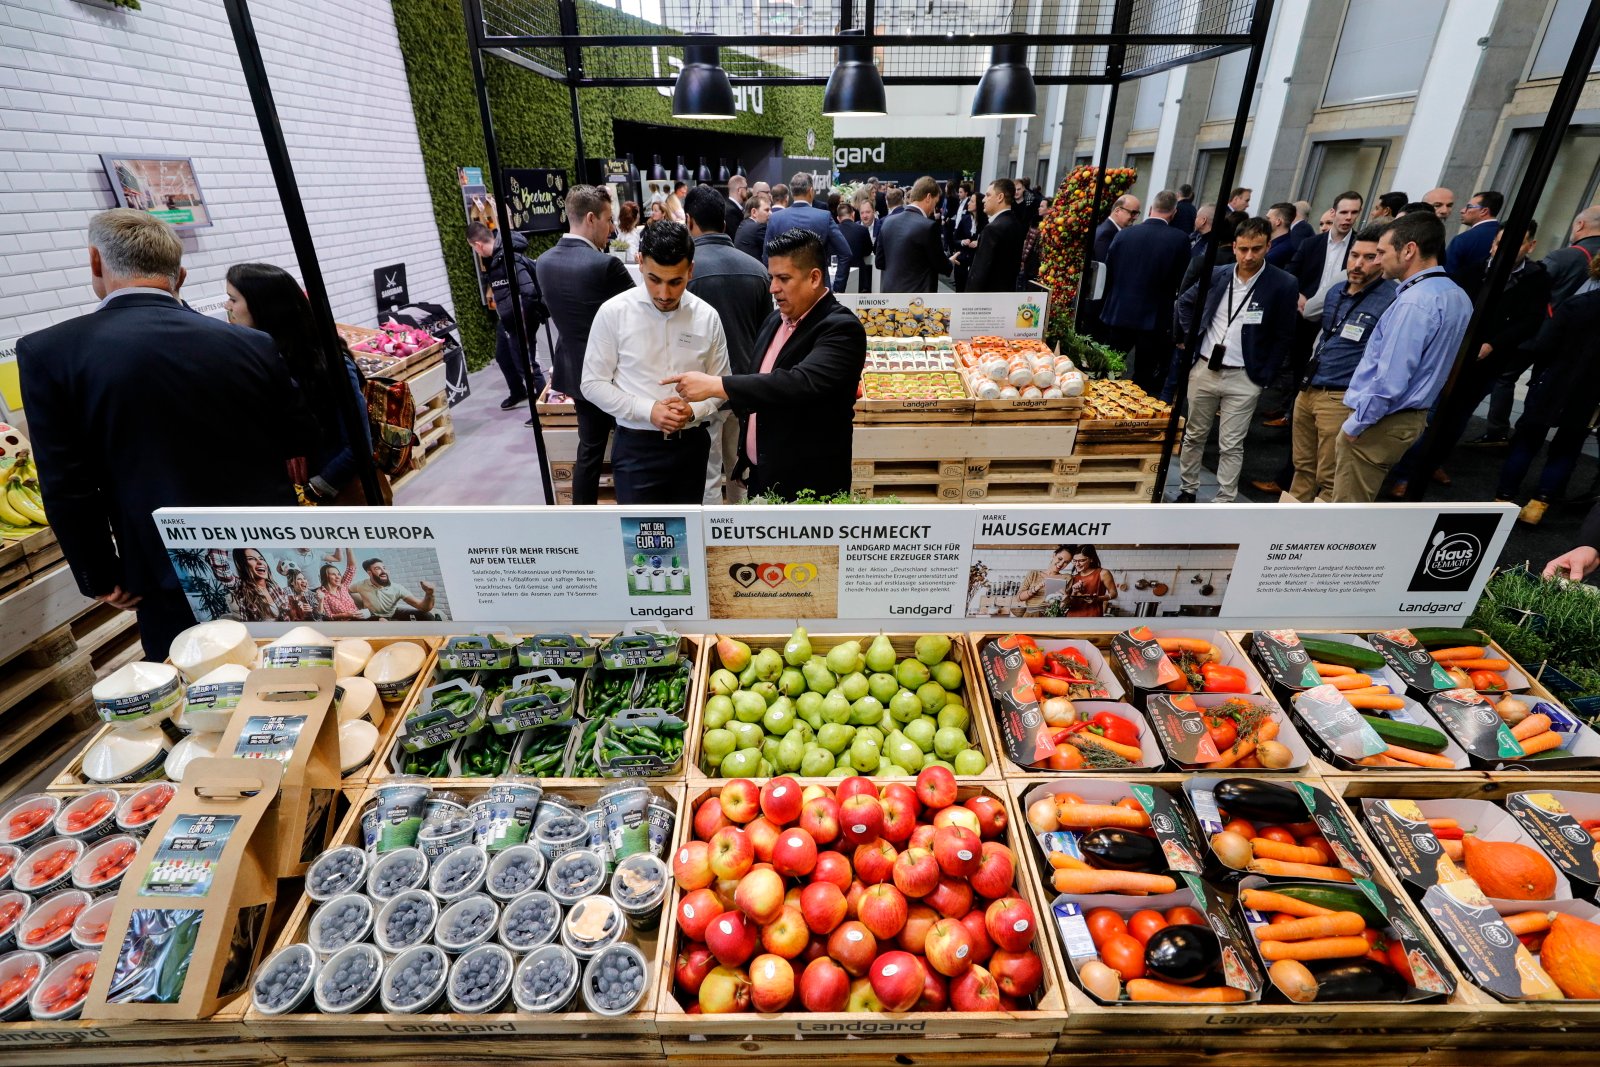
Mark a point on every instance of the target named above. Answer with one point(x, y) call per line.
point(424, 372)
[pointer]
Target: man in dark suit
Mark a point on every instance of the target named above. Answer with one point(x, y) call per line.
point(798, 407)
point(1124, 213)
point(752, 236)
point(733, 209)
point(998, 260)
point(1280, 217)
point(576, 277)
point(859, 238)
point(1183, 217)
point(910, 253)
point(801, 214)
point(1467, 258)
point(1143, 271)
point(1302, 230)
point(101, 389)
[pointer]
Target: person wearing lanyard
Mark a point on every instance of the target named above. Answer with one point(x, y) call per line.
point(1408, 358)
point(659, 453)
point(1248, 324)
point(1350, 310)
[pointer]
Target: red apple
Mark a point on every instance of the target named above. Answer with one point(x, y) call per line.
point(1010, 923)
point(764, 836)
point(816, 948)
point(982, 947)
point(975, 991)
point(914, 935)
point(760, 895)
point(952, 897)
point(1018, 974)
point(852, 898)
point(795, 854)
point(874, 861)
point(956, 816)
point(725, 991)
point(853, 945)
point(824, 985)
point(791, 897)
point(732, 938)
point(823, 906)
point(862, 998)
point(899, 819)
point(833, 867)
point(916, 872)
point(860, 818)
point(1009, 1003)
point(935, 990)
point(696, 910)
point(724, 888)
point(732, 852)
point(949, 948)
point(995, 874)
point(884, 911)
point(820, 818)
point(936, 787)
point(896, 980)
point(856, 785)
point(691, 866)
point(812, 792)
point(771, 983)
point(781, 800)
point(694, 963)
point(958, 850)
point(708, 818)
point(922, 836)
point(905, 792)
point(787, 935)
point(992, 817)
point(741, 800)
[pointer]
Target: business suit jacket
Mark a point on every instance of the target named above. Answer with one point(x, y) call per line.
point(1466, 259)
point(859, 238)
point(1266, 344)
point(966, 230)
point(576, 278)
point(119, 402)
point(736, 285)
point(911, 254)
point(1306, 263)
point(1569, 267)
point(1183, 217)
point(806, 403)
point(752, 240)
point(998, 258)
point(1104, 234)
point(1301, 232)
point(732, 218)
point(1280, 251)
point(1143, 272)
point(803, 216)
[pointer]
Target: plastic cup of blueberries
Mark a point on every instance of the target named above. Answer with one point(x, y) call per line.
point(530, 921)
point(395, 872)
point(575, 875)
point(639, 885)
point(615, 979)
point(562, 832)
point(546, 980)
point(344, 920)
point(283, 982)
point(514, 871)
point(467, 923)
point(592, 924)
point(349, 979)
point(451, 832)
point(458, 873)
point(336, 871)
point(414, 980)
point(406, 920)
point(480, 979)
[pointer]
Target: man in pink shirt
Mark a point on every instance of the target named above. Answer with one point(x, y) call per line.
point(797, 411)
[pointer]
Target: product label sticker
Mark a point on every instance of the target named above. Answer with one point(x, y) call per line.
point(1143, 660)
point(269, 737)
point(557, 650)
point(1284, 659)
point(1475, 725)
point(1408, 658)
point(1240, 967)
point(1166, 819)
point(1338, 724)
point(218, 696)
point(189, 852)
point(1182, 731)
point(1346, 849)
point(1403, 833)
point(1482, 941)
point(297, 656)
point(1559, 834)
point(139, 705)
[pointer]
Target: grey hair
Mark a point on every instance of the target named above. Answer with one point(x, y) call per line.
point(136, 244)
point(800, 184)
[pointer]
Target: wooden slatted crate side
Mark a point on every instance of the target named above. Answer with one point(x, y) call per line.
point(220, 1041)
point(888, 471)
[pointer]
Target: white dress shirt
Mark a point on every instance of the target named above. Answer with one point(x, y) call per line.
point(1334, 268)
point(1221, 331)
point(632, 346)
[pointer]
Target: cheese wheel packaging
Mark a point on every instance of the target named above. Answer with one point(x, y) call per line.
point(358, 740)
point(394, 667)
point(138, 694)
point(210, 700)
point(201, 649)
point(350, 656)
point(132, 754)
point(357, 698)
point(195, 746)
point(300, 647)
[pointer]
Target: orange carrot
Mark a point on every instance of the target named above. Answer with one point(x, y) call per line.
point(1541, 742)
point(1442, 655)
point(1321, 948)
point(1068, 880)
point(1368, 691)
point(1265, 732)
point(1532, 726)
point(1339, 924)
point(1481, 664)
point(1443, 824)
point(1095, 816)
point(1333, 670)
point(1349, 681)
point(1380, 761)
point(1189, 644)
point(1420, 759)
point(1375, 703)
point(1454, 849)
point(1529, 922)
point(1062, 861)
point(1128, 752)
point(1151, 989)
point(1266, 900)
point(1266, 848)
point(1284, 869)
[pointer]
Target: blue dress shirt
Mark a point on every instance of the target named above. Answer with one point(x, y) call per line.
point(1410, 352)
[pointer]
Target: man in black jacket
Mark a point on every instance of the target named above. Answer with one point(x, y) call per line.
point(859, 238)
point(733, 205)
point(752, 236)
point(1183, 217)
point(576, 277)
point(798, 407)
point(102, 391)
point(999, 256)
point(1143, 271)
point(1569, 267)
point(910, 253)
point(523, 376)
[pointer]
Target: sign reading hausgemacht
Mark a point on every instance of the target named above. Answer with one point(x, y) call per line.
point(901, 567)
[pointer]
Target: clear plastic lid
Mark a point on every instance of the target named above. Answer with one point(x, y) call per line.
point(529, 921)
point(284, 980)
point(89, 929)
point(102, 865)
point(344, 920)
point(574, 875)
point(546, 979)
point(27, 819)
point(480, 979)
point(140, 810)
point(48, 865)
point(640, 882)
point(61, 993)
point(338, 870)
point(458, 872)
point(395, 872)
point(20, 972)
point(615, 980)
point(406, 920)
point(515, 871)
point(349, 979)
point(414, 980)
point(468, 922)
point(89, 816)
point(591, 924)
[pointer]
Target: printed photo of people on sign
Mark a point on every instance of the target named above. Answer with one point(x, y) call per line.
point(332, 584)
point(1095, 581)
point(657, 559)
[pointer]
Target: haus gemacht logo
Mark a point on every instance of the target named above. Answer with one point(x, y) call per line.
point(1453, 552)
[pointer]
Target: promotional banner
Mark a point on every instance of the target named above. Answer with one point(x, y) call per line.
point(926, 567)
point(957, 314)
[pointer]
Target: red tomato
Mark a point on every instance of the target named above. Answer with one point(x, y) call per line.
point(1223, 731)
point(1240, 826)
point(1065, 758)
point(1398, 959)
point(1276, 833)
point(1144, 924)
point(1131, 804)
point(1104, 924)
point(1184, 916)
point(1318, 841)
point(1124, 955)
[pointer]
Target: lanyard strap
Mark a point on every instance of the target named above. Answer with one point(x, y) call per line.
point(1351, 310)
point(1248, 293)
point(1417, 279)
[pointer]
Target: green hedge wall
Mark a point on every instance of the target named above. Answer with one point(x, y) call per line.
point(941, 154)
point(534, 127)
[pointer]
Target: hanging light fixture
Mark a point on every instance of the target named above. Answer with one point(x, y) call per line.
point(1007, 90)
point(702, 90)
point(855, 87)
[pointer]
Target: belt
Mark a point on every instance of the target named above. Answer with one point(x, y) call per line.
point(661, 435)
point(1326, 388)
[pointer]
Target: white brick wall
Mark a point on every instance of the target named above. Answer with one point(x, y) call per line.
point(77, 79)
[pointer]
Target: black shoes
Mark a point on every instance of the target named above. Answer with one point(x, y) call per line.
point(512, 402)
point(1184, 498)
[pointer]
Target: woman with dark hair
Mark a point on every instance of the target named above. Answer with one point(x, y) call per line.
point(628, 229)
point(1093, 587)
point(334, 602)
point(267, 298)
point(302, 603)
point(257, 597)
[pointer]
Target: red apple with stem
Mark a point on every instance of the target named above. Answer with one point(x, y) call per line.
point(936, 787)
point(975, 991)
point(708, 818)
point(916, 872)
point(860, 819)
point(874, 861)
point(884, 911)
point(741, 800)
point(823, 907)
point(694, 963)
point(732, 939)
point(732, 852)
point(820, 818)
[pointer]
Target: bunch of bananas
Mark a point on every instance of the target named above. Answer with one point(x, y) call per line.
point(21, 509)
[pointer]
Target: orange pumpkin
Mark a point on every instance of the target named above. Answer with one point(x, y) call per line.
point(1571, 957)
point(1509, 870)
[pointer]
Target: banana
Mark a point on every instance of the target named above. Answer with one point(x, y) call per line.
point(10, 516)
point(18, 500)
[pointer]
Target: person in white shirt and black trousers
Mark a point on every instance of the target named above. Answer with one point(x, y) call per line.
point(639, 338)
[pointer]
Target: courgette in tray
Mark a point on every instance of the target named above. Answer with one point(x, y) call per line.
point(1341, 654)
point(1336, 898)
point(1408, 735)
point(1448, 636)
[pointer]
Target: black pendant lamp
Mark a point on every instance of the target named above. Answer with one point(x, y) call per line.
point(682, 173)
point(702, 90)
point(1007, 90)
point(723, 174)
point(855, 87)
point(657, 171)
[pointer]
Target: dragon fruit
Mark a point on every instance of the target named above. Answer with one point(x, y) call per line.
point(397, 340)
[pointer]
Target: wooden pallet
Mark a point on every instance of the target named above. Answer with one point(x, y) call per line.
point(1055, 489)
point(908, 479)
point(1058, 409)
point(25, 558)
point(555, 416)
point(924, 491)
point(434, 439)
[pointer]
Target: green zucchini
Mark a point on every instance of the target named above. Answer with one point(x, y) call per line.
point(1549, 753)
point(1336, 898)
point(1341, 654)
point(1448, 636)
point(1408, 735)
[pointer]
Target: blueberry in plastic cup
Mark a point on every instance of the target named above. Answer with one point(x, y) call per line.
point(459, 873)
point(615, 979)
point(575, 875)
point(530, 921)
point(480, 979)
point(336, 871)
point(344, 920)
point(415, 980)
point(546, 980)
point(395, 872)
point(349, 979)
point(466, 924)
point(406, 920)
point(515, 871)
point(284, 980)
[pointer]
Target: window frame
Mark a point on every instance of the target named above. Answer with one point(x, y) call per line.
point(1314, 162)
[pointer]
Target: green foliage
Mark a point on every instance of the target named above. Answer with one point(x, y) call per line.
point(807, 496)
point(939, 155)
point(532, 118)
point(1544, 620)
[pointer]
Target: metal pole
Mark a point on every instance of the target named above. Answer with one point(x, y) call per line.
point(1258, 42)
point(1540, 162)
point(1115, 56)
point(472, 11)
point(294, 215)
point(574, 58)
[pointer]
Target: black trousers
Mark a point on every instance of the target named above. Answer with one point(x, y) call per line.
point(162, 615)
point(1150, 351)
point(523, 376)
point(652, 468)
point(594, 429)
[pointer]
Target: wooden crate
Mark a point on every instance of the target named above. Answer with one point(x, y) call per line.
point(953, 411)
point(908, 479)
point(220, 1041)
point(555, 416)
point(499, 1038)
point(1017, 409)
point(930, 491)
point(997, 441)
point(1020, 1037)
point(24, 558)
point(980, 732)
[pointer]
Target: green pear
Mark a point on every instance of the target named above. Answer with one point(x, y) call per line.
point(769, 748)
point(948, 674)
point(854, 686)
point(732, 653)
point(842, 764)
point(949, 742)
point(718, 743)
point(791, 682)
point(809, 707)
point(866, 712)
point(932, 697)
point(870, 731)
point(767, 691)
point(883, 686)
point(842, 657)
point(748, 706)
point(904, 706)
point(740, 763)
point(747, 677)
point(724, 683)
point(807, 733)
point(834, 737)
point(864, 754)
point(768, 664)
point(817, 763)
point(798, 648)
point(931, 648)
point(881, 655)
point(791, 750)
point(835, 708)
point(779, 718)
point(764, 768)
point(911, 673)
point(953, 714)
point(920, 732)
point(719, 709)
point(747, 734)
point(970, 761)
point(817, 675)
point(904, 752)
point(946, 764)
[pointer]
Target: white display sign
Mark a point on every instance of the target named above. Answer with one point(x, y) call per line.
point(964, 315)
point(927, 567)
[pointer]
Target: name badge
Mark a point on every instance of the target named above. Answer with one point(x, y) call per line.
point(1353, 332)
point(689, 340)
point(1252, 317)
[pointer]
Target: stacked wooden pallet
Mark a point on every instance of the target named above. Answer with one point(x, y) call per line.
point(935, 481)
point(24, 559)
point(434, 429)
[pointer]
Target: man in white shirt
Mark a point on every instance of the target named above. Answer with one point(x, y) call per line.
point(640, 337)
